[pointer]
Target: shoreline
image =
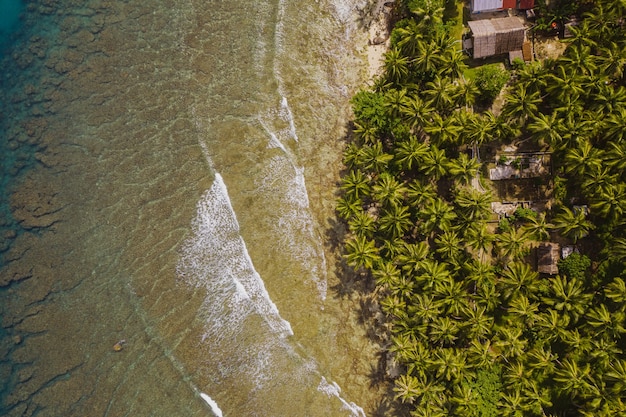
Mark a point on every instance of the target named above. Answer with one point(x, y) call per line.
point(378, 39)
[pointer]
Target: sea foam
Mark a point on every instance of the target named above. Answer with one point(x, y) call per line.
point(217, 259)
point(214, 407)
point(333, 389)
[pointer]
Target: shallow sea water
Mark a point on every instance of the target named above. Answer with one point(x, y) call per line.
point(168, 180)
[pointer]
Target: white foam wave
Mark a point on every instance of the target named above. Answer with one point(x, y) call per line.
point(216, 258)
point(212, 404)
point(285, 111)
point(333, 389)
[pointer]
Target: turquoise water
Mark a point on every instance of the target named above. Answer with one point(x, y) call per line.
point(10, 11)
point(169, 169)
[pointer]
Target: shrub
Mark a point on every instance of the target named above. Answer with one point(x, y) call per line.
point(490, 79)
point(574, 266)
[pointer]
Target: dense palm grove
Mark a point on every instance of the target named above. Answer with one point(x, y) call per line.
point(475, 329)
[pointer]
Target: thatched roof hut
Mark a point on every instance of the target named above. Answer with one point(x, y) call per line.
point(497, 36)
point(547, 258)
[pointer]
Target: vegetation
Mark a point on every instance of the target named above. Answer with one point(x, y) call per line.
point(475, 329)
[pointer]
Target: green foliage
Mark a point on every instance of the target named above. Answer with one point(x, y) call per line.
point(474, 327)
point(574, 266)
point(369, 107)
point(490, 79)
point(486, 390)
point(527, 214)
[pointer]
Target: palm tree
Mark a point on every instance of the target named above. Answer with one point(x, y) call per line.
point(480, 353)
point(420, 194)
point(361, 253)
point(573, 378)
point(437, 215)
point(449, 245)
point(466, 94)
point(510, 403)
point(616, 291)
point(611, 204)
point(572, 224)
point(564, 85)
point(577, 344)
point(609, 99)
point(356, 184)
point(440, 93)
point(465, 399)
point(612, 60)
point(409, 35)
point(375, 158)
point(434, 163)
point(474, 205)
point(407, 388)
point(522, 310)
point(538, 228)
point(362, 224)
point(386, 274)
point(512, 244)
point(541, 361)
point(414, 112)
point(348, 206)
point(443, 331)
point(409, 153)
point(478, 324)
point(394, 100)
point(427, 60)
point(551, 325)
point(396, 65)
point(353, 156)
point(578, 59)
point(411, 256)
point(615, 155)
point(517, 375)
point(519, 278)
point(532, 76)
point(395, 221)
point(599, 181)
point(478, 238)
point(451, 365)
point(388, 191)
point(432, 273)
point(547, 129)
point(424, 308)
point(366, 132)
point(443, 130)
point(521, 104)
point(568, 295)
point(453, 63)
point(480, 128)
point(464, 168)
point(510, 342)
point(582, 159)
point(602, 321)
point(617, 375)
point(536, 399)
point(453, 295)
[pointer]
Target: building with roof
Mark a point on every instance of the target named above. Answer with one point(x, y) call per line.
point(547, 258)
point(497, 36)
point(479, 6)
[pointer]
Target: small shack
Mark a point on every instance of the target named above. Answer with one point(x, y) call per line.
point(497, 36)
point(547, 258)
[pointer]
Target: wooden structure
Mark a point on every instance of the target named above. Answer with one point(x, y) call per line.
point(547, 258)
point(478, 6)
point(497, 36)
